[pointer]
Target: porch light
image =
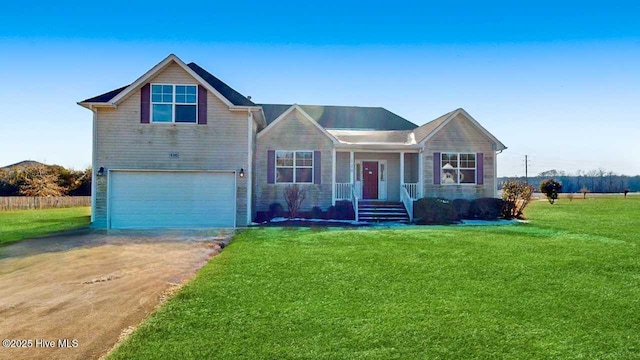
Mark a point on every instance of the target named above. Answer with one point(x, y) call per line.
point(241, 174)
point(101, 171)
point(448, 166)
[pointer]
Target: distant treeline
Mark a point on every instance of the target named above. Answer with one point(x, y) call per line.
point(598, 181)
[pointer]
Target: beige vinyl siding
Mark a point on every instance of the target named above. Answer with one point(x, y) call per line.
point(294, 132)
point(124, 143)
point(460, 135)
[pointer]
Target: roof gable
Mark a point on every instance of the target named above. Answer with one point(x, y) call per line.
point(306, 116)
point(345, 117)
point(433, 127)
point(228, 95)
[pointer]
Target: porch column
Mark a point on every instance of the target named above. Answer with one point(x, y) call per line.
point(351, 167)
point(333, 176)
point(420, 174)
point(401, 169)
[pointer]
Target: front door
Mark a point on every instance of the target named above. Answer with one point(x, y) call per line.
point(370, 179)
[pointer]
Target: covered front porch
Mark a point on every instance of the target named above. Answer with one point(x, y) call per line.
point(372, 175)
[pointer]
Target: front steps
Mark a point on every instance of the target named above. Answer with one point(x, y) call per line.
point(382, 211)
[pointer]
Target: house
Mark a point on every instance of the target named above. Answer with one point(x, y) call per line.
point(180, 148)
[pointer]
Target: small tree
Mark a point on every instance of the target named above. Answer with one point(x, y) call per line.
point(584, 192)
point(41, 181)
point(516, 196)
point(570, 196)
point(625, 192)
point(294, 196)
point(551, 188)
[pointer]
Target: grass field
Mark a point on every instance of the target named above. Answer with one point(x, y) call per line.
point(17, 225)
point(567, 286)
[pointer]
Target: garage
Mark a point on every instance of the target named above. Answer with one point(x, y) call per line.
point(171, 199)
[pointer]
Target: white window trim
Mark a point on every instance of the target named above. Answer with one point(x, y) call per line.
point(173, 104)
point(312, 167)
point(475, 180)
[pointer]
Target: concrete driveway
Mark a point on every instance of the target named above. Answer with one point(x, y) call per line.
point(91, 287)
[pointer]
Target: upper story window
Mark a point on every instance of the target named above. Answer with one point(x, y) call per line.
point(458, 168)
point(174, 103)
point(294, 166)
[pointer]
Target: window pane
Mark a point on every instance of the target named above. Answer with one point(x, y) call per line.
point(449, 176)
point(284, 158)
point(467, 160)
point(167, 98)
point(162, 113)
point(167, 89)
point(185, 113)
point(304, 158)
point(451, 159)
point(156, 89)
point(284, 175)
point(156, 98)
point(191, 99)
point(303, 175)
point(191, 90)
point(181, 90)
point(181, 98)
point(467, 176)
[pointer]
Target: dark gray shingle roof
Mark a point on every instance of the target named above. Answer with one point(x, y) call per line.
point(345, 117)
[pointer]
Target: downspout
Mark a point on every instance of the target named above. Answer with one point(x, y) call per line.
point(249, 164)
point(93, 163)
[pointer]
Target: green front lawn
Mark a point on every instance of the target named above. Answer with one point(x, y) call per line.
point(18, 225)
point(564, 286)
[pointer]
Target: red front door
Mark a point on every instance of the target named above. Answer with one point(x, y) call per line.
point(370, 179)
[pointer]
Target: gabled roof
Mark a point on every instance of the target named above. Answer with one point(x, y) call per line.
point(425, 130)
point(432, 127)
point(345, 117)
point(304, 114)
point(235, 97)
point(219, 88)
point(106, 97)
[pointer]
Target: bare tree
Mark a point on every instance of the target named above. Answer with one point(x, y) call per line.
point(294, 196)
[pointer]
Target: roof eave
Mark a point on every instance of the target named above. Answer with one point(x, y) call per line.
point(90, 105)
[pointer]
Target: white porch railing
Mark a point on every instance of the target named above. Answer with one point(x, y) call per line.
point(343, 191)
point(354, 201)
point(407, 201)
point(412, 189)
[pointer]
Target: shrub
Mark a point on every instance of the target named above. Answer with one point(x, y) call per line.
point(275, 210)
point(486, 208)
point(344, 211)
point(570, 196)
point(625, 192)
point(316, 212)
point(516, 196)
point(294, 195)
point(463, 207)
point(551, 188)
point(331, 213)
point(434, 211)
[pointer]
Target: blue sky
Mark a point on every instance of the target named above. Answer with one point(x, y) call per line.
point(560, 83)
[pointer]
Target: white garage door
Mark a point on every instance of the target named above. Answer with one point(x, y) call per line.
point(171, 199)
